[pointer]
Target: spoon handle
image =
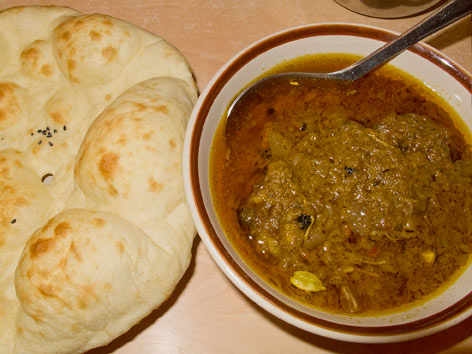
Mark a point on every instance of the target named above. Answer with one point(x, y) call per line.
point(449, 13)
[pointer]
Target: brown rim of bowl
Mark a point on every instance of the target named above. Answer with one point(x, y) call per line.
point(286, 36)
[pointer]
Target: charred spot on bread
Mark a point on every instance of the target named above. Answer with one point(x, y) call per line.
point(62, 229)
point(41, 246)
point(108, 165)
point(154, 186)
point(109, 53)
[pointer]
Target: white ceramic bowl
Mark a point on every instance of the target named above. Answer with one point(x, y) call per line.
point(438, 72)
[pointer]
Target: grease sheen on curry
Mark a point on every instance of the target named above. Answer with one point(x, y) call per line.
point(354, 198)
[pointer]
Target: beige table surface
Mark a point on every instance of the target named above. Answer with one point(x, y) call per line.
point(207, 314)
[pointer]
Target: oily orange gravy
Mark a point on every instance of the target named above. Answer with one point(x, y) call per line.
point(354, 198)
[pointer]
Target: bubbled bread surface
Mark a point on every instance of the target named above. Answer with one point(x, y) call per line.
point(94, 229)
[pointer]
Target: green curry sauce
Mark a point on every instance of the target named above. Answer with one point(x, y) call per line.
point(355, 198)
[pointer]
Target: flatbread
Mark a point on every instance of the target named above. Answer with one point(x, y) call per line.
point(94, 229)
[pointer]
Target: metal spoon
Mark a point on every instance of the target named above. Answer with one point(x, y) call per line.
point(449, 13)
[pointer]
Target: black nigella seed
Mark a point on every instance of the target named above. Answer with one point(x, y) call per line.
point(40, 142)
point(49, 135)
point(32, 134)
point(13, 221)
point(44, 132)
point(50, 144)
point(64, 128)
point(39, 131)
point(55, 130)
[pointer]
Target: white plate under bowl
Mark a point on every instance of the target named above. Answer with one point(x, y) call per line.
point(389, 8)
point(436, 70)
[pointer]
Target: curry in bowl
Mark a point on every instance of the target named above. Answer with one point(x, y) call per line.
point(353, 198)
